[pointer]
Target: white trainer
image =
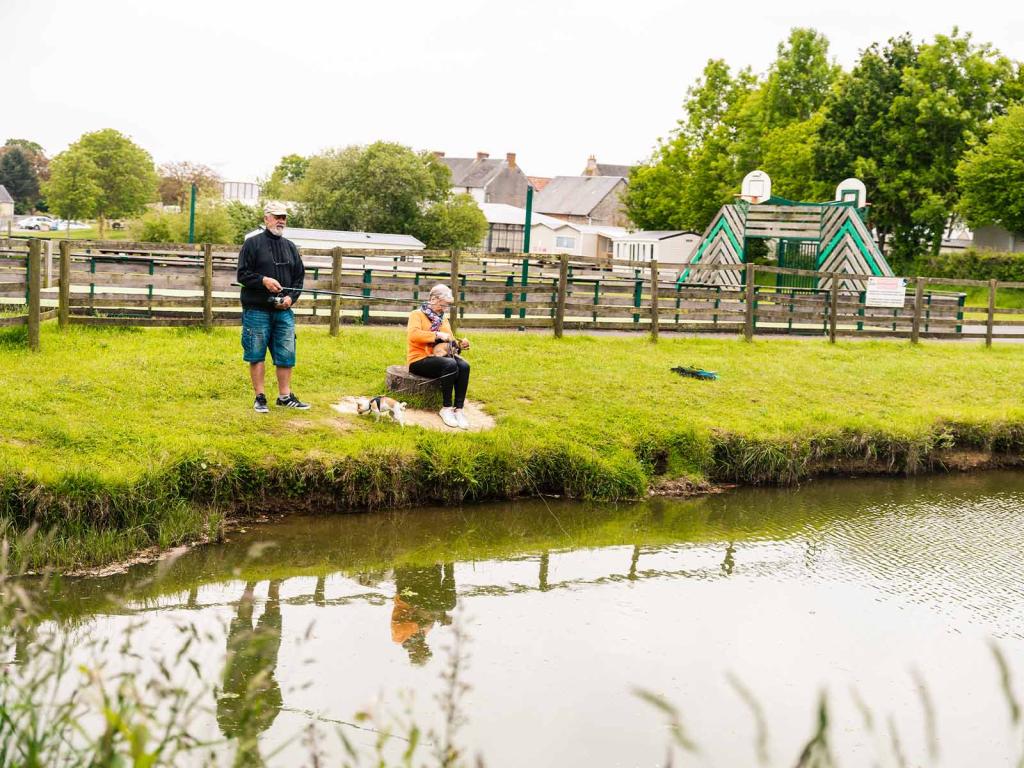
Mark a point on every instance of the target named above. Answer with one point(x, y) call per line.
point(460, 418)
point(448, 417)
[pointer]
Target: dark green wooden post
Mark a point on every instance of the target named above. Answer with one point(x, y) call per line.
point(367, 282)
point(523, 281)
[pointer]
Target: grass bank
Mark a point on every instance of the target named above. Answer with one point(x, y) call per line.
point(118, 439)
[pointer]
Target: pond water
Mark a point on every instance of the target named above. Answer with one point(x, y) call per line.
point(738, 609)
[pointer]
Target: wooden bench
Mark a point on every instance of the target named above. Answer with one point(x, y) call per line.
point(399, 381)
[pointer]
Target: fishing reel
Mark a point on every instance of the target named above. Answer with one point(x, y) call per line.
point(276, 301)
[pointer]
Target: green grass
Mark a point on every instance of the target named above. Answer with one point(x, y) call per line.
point(118, 439)
point(75, 234)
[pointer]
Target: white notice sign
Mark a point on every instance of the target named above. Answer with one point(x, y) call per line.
point(886, 292)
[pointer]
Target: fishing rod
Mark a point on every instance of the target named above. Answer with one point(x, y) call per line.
point(329, 293)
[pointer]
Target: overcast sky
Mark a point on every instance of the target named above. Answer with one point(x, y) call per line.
point(237, 85)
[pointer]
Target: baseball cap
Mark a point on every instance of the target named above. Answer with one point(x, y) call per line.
point(275, 208)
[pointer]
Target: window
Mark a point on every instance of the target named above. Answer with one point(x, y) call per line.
point(565, 242)
point(505, 238)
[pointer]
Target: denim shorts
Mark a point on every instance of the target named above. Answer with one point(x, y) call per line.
point(269, 328)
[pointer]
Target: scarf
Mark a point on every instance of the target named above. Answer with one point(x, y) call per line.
point(435, 319)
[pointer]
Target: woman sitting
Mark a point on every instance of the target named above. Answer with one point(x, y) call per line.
point(427, 328)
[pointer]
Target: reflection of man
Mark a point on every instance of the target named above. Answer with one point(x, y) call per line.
point(251, 698)
point(423, 597)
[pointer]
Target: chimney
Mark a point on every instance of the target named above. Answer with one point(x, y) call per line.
point(591, 166)
point(438, 154)
point(510, 158)
point(482, 155)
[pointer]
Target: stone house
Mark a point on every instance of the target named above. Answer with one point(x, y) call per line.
point(487, 180)
point(6, 206)
point(584, 200)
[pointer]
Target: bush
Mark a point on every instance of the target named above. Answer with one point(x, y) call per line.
point(213, 224)
point(973, 264)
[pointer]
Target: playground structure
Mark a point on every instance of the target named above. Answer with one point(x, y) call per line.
point(830, 237)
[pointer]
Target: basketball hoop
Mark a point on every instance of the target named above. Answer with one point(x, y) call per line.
point(756, 187)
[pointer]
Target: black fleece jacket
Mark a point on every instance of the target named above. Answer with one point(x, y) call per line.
point(268, 255)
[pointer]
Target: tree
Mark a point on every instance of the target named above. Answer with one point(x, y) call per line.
point(799, 80)
point(20, 179)
point(285, 180)
point(903, 120)
point(456, 223)
point(124, 174)
point(991, 176)
point(35, 154)
point(176, 180)
point(244, 219)
point(382, 187)
point(732, 125)
point(72, 191)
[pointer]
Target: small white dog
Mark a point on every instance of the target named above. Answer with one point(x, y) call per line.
point(380, 405)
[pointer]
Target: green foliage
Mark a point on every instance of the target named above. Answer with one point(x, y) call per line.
point(72, 191)
point(382, 187)
point(799, 80)
point(213, 224)
point(992, 176)
point(244, 219)
point(18, 176)
point(973, 264)
point(124, 173)
point(902, 121)
point(732, 125)
point(456, 222)
point(285, 182)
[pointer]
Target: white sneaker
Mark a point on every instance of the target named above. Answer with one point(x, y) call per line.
point(448, 417)
point(460, 418)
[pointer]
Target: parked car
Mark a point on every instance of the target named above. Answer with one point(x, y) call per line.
point(42, 223)
point(61, 225)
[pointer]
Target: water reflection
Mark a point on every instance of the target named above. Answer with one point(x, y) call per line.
point(250, 699)
point(424, 597)
point(854, 579)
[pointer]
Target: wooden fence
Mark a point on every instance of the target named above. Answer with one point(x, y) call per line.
point(117, 283)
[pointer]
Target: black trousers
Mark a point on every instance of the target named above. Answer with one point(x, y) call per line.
point(454, 375)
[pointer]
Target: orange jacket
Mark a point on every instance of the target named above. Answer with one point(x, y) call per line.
point(421, 338)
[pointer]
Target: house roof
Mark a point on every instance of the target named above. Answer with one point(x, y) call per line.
point(604, 169)
point(583, 229)
point(351, 239)
point(500, 213)
point(538, 182)
point(658, 234)
point(5, 196)
point(575, 195)
point(471, 172)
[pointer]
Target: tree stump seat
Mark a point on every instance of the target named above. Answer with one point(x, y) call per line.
point(399, 381)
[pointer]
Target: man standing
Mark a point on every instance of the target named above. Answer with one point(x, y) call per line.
point(271, 274)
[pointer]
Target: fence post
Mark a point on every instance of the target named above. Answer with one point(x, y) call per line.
point(207, 286)
point(336, 288)
point(991, 312)
point(833, 309)
point(453, 316)
point(523, 281)
point(64, 286)
point(748, 323)
point(33, 269)
point(915, 329)
point(48, 272)
point(563, 287)
point(654, 300)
